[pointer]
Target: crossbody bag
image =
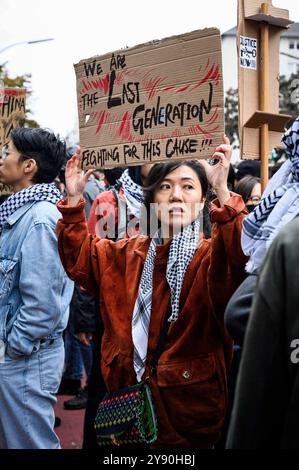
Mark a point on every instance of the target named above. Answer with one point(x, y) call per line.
point(127, 416)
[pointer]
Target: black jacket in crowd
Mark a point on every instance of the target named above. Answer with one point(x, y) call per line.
point(266, 408)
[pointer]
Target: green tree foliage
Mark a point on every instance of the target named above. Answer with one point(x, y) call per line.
point(289, 95)
point(231, 117)
point(22, 81)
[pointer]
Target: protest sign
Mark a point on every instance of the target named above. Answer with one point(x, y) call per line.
point(12, 115)
point(154, 102)
point(260, 25)
point(12, 112)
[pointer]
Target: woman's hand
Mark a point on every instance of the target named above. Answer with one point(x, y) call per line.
point(75, 179)
point(217, 174)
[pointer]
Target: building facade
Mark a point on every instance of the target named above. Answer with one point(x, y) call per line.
point(289, 55)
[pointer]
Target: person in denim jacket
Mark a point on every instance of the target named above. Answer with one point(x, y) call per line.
point(34, 291)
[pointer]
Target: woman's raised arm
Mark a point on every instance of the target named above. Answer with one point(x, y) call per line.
point(75, 179)
point(77, 248)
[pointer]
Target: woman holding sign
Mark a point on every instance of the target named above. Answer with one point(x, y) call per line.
point(176, 281)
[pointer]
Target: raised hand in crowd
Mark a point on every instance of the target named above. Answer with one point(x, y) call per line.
point(217, 174)
point(75, 179)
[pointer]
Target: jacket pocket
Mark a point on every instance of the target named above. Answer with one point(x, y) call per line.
point(51, 359)
point(7, 273)
point(3, 322)
point(189, 372)
point(192, 394)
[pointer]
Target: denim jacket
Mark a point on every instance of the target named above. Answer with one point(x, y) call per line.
point(34, 290)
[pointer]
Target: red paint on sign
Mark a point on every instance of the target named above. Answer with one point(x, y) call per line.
point(104, 84)
point(85, 85)
point(200, 130)
point(169, 88)
point(13, 92)
point(214, 116)
point(123, 122)
point(206, 78)
point(184, 88)
point(101, 120)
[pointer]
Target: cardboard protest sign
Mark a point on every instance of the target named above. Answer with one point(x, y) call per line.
point(276, 16)
point(12, 115)
point(12, 112)
point(251, 114)
point(151, 103)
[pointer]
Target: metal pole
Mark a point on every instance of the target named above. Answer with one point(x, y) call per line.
point(25, 42)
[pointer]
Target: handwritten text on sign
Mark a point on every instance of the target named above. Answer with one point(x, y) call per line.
point(12, 112)
point(248, 53)
point(153, 102)
point(12, 115)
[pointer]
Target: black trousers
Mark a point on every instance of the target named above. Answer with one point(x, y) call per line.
point(96, 391)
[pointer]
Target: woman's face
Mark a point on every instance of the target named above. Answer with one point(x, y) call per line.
point(255, 196)
point(178, 199)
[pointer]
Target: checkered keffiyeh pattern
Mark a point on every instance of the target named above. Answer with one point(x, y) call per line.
point(279, 204)
point(181, 252)
point(133, 193)
point(37, 192)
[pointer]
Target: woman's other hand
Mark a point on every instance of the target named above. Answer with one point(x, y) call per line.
point(217, 174)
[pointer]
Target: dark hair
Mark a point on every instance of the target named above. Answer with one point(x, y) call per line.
point(135, 174)
point(44, 147)
point(113, 175)
point(248, 168)
point(231, 178)
point(158, 173)
point(245, 186)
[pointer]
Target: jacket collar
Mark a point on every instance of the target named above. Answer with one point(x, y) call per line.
point(143, 247)
point(19, 213)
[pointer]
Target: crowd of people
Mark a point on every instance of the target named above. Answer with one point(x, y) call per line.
point(94, 264)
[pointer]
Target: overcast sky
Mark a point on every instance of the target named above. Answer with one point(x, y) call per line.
point(86, 28)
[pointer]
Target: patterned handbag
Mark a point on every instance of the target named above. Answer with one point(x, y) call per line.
point(127, 416)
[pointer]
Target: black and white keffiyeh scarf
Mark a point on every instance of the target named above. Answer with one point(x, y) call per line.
point(279, 204)
point(37, 192)
point(181, 252)
point(133, 194)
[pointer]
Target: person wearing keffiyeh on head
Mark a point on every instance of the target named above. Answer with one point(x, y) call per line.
point(34, 291)
point(266, 405)
point(176, 276)
point(115, 214)
point(279, 205)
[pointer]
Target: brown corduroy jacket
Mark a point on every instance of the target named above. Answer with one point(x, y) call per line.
point(189, 388)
